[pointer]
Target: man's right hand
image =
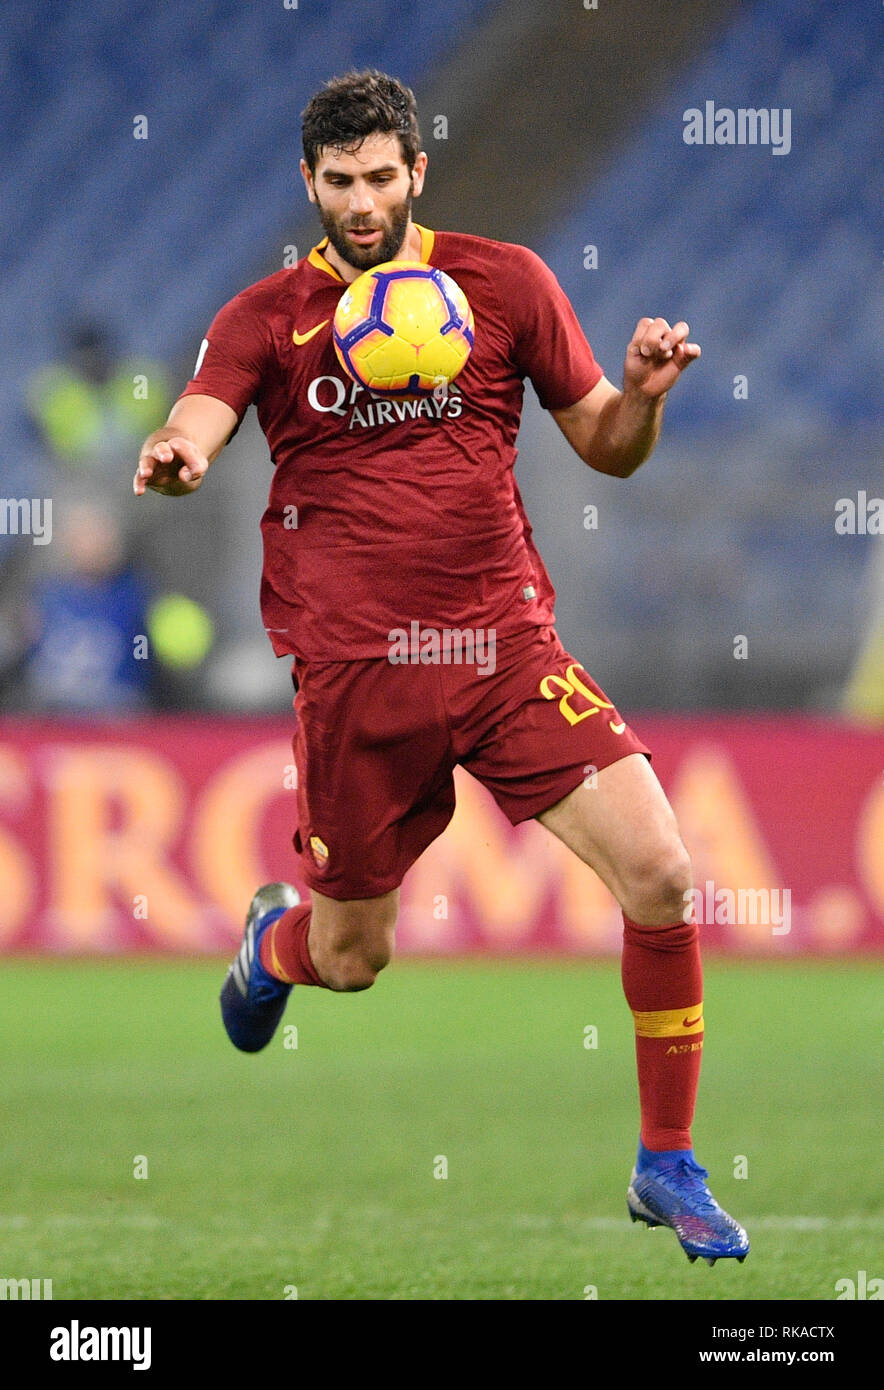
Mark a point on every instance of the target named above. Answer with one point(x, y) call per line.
point(173, 466)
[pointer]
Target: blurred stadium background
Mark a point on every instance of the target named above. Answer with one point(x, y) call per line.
point(150, 172)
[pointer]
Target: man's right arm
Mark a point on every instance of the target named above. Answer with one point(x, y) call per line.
point(174, 459)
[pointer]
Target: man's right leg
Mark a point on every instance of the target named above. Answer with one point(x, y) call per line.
point(339, 945)
point(336, 945)
point(372, 751)
point(373, 755)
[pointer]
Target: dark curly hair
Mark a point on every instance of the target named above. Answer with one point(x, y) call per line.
point(349, 108)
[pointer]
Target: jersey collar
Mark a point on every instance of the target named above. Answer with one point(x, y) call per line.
point(317, 259)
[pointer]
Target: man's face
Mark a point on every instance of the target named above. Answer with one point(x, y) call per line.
point(364, 198)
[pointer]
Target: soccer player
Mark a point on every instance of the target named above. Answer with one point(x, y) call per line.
point(378, 517)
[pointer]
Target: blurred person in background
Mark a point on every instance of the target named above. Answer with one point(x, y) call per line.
point(98, 640)
point(84, 622)
point(91, 408)
point(93, 638)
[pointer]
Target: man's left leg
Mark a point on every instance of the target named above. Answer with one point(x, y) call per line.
point(624, 829)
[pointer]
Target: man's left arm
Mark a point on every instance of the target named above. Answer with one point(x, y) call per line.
point(615, 431)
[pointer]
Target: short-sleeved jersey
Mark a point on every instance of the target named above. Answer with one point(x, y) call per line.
point(383, 512)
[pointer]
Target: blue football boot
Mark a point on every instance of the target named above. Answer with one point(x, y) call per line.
point(252, 1001)
point(669, 1189)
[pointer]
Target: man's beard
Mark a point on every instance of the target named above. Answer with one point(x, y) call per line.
point(364, 257)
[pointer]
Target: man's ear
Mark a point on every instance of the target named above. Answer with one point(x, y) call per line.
point(308, 180)
point(418, 173)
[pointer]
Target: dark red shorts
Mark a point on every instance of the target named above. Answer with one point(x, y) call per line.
point(376, 745)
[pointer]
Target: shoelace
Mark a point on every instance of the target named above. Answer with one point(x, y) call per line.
point(690, 1179)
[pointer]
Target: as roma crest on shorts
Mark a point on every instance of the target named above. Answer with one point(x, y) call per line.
point(320, 851)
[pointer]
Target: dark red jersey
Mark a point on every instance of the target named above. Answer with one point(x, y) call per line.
point(383, 512)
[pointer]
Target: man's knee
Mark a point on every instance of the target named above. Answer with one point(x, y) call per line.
point(352, 942)
point(657, 890)
point(354, 968)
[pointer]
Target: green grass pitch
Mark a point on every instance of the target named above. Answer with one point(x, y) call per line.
point(313, 1167)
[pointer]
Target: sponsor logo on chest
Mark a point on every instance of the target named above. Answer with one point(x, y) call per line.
point(338, 396)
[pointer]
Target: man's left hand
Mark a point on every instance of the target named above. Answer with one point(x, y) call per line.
point(657, 356)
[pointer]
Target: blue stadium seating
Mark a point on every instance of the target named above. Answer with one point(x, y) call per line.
point(152, 235)
point(773, 259)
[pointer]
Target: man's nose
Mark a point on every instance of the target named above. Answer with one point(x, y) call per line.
point(361, 201)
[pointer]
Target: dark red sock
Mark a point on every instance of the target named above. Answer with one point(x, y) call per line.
point(283, 951)
point(663, 983)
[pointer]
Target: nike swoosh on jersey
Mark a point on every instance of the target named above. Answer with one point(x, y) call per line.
point(300, 338)
point(616, 728)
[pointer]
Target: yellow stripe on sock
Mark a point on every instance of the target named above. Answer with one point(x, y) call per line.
point(274, 958)
point(669, 1023)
